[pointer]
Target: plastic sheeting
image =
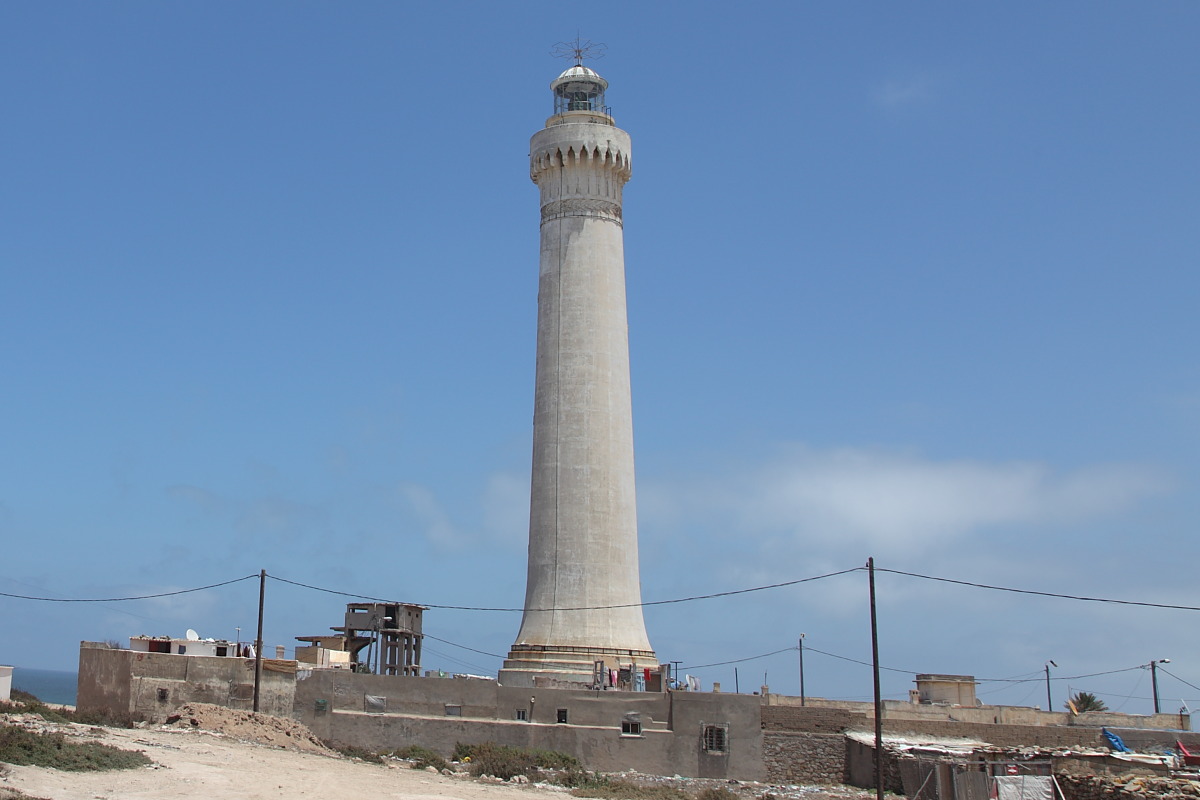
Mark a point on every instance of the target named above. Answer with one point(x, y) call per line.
point(1024, 787)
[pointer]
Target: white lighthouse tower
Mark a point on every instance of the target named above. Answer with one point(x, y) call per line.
point(583, 590)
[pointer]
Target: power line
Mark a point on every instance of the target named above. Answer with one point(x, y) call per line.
point(808, 648)
point(579, 608)
point(1040, 594)
point(122, 599)
point(1181, 680)
point(740, 660)
point(1057, 677)
point(463, 646)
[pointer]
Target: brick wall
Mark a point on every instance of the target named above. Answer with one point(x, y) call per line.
point(811, 720)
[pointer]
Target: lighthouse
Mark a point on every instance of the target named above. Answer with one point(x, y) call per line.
point(583, 593)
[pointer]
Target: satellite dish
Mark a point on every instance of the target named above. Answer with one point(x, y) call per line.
point(192, 636)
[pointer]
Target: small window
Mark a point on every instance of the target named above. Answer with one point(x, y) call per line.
point(453, 710)
point(631, 728)
point(562, 716)
point(715, 738)
point(182, 649)
point(522, 715)
point(222, 651)
point(163, 695)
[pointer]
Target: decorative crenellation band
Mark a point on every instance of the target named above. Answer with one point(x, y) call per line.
point(581, 154)
point(582, 207)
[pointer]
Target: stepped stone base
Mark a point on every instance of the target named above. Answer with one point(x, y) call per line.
point(545, 666)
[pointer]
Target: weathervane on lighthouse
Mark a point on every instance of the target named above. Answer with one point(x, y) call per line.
point(579, 50)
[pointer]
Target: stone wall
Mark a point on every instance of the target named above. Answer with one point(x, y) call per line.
point(804, 758)
point(1129, 787)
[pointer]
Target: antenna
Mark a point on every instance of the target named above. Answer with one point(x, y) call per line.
point(191, 635)
point(579, 49)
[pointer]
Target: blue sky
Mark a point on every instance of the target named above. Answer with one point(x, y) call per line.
point(912, 281)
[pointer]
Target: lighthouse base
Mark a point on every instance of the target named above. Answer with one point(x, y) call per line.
point(549, 666)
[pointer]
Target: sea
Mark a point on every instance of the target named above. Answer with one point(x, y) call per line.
point(48, 685)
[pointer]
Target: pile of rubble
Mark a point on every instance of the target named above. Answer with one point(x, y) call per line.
point(246, 726)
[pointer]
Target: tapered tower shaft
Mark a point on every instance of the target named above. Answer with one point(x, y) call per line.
point(583, 584)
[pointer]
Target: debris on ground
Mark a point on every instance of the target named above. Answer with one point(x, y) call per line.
point(246, 726)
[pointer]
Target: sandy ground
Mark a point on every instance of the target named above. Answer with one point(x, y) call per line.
point(207, 751)
point(202, 764)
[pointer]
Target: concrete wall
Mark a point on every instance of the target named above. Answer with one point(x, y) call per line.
point(6, 683)
point(155, 684)
point(987, 715)
point(383, 713)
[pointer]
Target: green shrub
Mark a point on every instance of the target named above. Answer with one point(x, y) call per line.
point(354, 751)
point(26, 703)
point(617, 789)
point(422, 756)
point(717, 793)
point(505, 762)
point(29, 748)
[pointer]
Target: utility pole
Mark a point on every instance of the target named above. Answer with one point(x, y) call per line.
point(1154, 679)
point(1049, 702)
point(878, 696)
point(258, 645)
point(801, 669)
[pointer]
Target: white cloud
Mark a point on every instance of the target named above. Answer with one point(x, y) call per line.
point(436, 524)
point(893, 501)
point(196, 496)
point(903, 92)
point(506, 507)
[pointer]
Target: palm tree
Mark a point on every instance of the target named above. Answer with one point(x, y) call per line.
point(1082, 702)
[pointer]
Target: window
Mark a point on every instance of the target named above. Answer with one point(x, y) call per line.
point(715, 738)
point(453, 710)
point(222, 651)
point(163, 695)
point(183, 649)
point(562, 716)
point(631, 727)
point(522, 715)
